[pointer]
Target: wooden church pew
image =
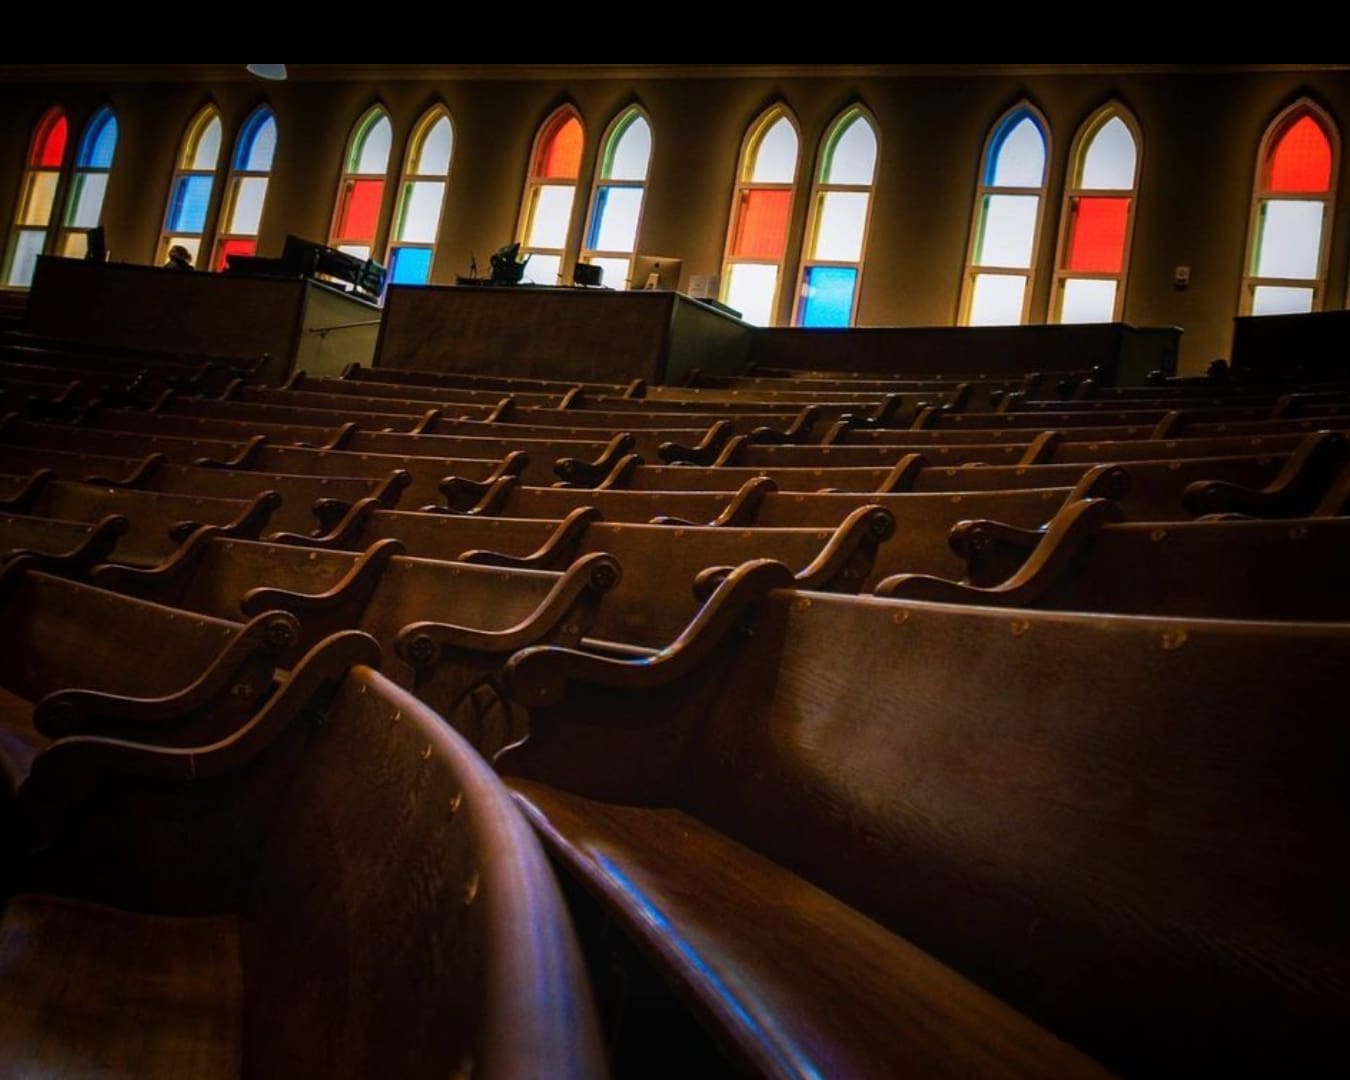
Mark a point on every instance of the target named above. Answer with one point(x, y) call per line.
point(1065, 809)
point(60, 547)
point(372, 905)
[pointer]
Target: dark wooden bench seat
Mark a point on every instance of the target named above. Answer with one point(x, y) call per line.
point(387, 911)
point(1068, 810)
point(1089, 559)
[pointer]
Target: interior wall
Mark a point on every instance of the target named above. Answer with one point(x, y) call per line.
point(1200, 138)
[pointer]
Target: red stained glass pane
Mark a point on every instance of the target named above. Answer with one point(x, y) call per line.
point(234, 247)
point(560, 151)
point(1301, 160)
point(761, 225)
point(360, 210)
point(1097, 235)
point(49, 146)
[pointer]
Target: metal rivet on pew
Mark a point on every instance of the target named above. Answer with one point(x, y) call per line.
point(1173, 639)
point(471, 890)
point(1157, 534)
point(1020, 627)
point(801, 603)
point(456, 801)
point(1298, 532)
point(900, 617)
point(426, 754)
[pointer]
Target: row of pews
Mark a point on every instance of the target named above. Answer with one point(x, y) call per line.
point(873, 726)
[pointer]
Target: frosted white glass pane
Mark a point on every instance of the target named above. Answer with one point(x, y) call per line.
point(86, 200)
point(619, 209)
point(632, 153)
point(776, 156)
point(421, 211)
point(1281, 300)
point(207, 150)
point(37, 204)
point(840, 228)
point(374, 152)
point(997, 300)
point(359, 251)
point(616, 271)
point(75, 245)
point(246, 210)
point(854, 157)
point(750, 288)
point(192, 243)
point(1109, 162)
point(1020, 160)
point(550, 216)
point(1088, 300)
point(543, 269)
point(27, 247)
point(434, 158)
point(1008, 231)
point(1290, 239)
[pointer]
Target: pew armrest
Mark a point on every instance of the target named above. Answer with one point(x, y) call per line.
point(97, 547)
point(1301, 483)
point(342, 535)
point(556, 553)
point(740, 511)
point(847, 557)
point(357, 582)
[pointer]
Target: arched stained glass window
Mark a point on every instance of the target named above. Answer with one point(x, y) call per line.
point(356, 221)
point(550, 190)
point(421, 196)
point(616, 204)
point(761, 212)
point(93, 163)
point(246, 191)
point(37, 198)
point(193, 178)
point(836, 235)
point(1098, 219)
point(1291, 214)
point(1006, 225)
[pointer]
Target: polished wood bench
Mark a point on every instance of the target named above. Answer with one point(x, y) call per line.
point(388, 912)
point(1067, 810)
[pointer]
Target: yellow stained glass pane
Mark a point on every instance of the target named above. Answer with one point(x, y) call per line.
point(39, 198)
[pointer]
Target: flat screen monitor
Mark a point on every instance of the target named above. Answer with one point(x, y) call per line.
point(656, 272)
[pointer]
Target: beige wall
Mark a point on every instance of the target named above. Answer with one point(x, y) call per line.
point(1200, 137)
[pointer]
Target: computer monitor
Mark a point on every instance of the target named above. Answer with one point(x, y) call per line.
point(656, 272)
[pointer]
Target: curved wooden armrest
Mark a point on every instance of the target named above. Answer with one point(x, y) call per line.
point(426, 423)
point(1009, 401)
point(247, 526)
point(590, 473)
point(161, 403)
point(556, 553)
point(923, 417)
point(341, 437)
point(479, 499)
point(422, 644)
point(1295, 491)
point(573, 399)
point(740, 511)
point(799, 431)
point(71, 712)
point(732, 450)
point(886, 410)
point(512, 465)
point(164, 583)
point(391, 490)
point(139, 477)
point(22, 500)
point(1052, 558)
point(364, 575)
point(539, 676)
point(97, 547)
point(1171, 425)
point(703, 452)
point(837, 433)
point(1102, 482)
point(502, 411)
point(232, 387)
point(242, 460)
point(707, 580)
point(341, 536)
point(903, 475)
point(636, 389)
point(621, 474)
point(847, 557)
point(1042, 449)
point(328, 513)
point(961, 395)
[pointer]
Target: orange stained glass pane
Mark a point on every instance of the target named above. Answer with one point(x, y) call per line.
point(1301, 160)
point(1097, 235)
point(234, 247)
point(49, 147)
point(560, 151)
point(761, 224)
point(360, 209)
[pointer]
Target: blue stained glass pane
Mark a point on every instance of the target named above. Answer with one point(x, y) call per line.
point(1016, 155)
point(412, 266)
point(257, 143)
point(100, 141)
point(829, 295)
point(187, 212)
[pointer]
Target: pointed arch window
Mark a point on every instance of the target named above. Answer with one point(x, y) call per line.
point(37, 198)
point(1006, 225)
point(1098, 219)
point(421, 198)
point(93, 164)
point(616, 202)
point(1291, 214)
point(356, 221)
point(836, 235)
point(761, 211)
point(246, 191)
point(193, 179)
point(550, 190)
